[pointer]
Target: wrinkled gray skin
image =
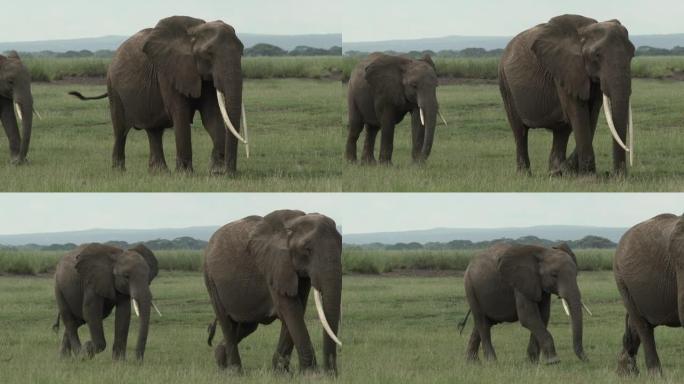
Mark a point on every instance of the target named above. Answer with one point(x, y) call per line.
point(649, 272)
point(259, 269)
point(553, 76)
point(508, 283)
point(15, 86)
point(93, 279)
point(161, 76)
point(382, 90)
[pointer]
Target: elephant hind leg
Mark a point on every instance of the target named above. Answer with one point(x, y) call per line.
point(157, 161)
point(368, 156)
point(473, 346)
point(121, 128)
point(630, 346)
point(519, 128)
point(355, 128)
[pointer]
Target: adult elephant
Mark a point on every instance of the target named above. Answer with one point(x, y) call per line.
point(382, 90)
point(258, 269)
point(556, 76)
point(161, 76)
point(649, 272)
point(93, 279)
point(511, 282)
point(15, 94)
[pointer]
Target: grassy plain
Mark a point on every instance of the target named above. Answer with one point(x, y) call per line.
point(394, 329)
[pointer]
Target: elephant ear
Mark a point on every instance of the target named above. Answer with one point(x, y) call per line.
point(427, 59)
point(519, 267)
point(268, 243)
point(676, 245)
point(558, 47)
point(385, 74)
point(169, 48)
point(566, 248)
point(95, 265)
point(149, 257)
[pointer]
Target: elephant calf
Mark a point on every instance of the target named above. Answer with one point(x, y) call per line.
point(93, 279)
point(649, 274)
point(382, 90)
point(261, 268)
point(508, 283)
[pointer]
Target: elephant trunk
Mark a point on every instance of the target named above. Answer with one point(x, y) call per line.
point(229, 85)
point(428, 110)
point(144, 304)
point(617, 109)
point(331, 291)
point(572, 295)
point(24, 105)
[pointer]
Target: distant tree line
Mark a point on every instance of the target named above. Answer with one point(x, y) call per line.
point(481, 52)
point(584, 243)
point(257, 50)
point(179, 243)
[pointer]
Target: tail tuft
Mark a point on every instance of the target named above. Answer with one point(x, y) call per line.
point(211, 330)
point(462, 323)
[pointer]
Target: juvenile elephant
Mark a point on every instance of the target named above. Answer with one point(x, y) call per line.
point(382, 90)
point(508, 283)
point(93, 279)
point(258, 269)
point(649, 272)
point(161, 76)
point(15, 94)
point(556, 76)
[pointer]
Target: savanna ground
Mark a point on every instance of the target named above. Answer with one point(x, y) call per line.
point(394, 329)
point(298, 131)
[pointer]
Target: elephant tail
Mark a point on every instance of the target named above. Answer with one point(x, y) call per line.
point(81, 97)
point(462, 323)
point(211, 330)
point(55, 326)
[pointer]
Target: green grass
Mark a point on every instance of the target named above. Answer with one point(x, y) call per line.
point(298, 134)
point(308, 67)
point(394, 329)
point(353, 261)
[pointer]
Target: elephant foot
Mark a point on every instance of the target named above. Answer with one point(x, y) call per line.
point(119, 167)
point(368, 161)
point(472, 358)
point(119, 355)
point(655, 371)
point(533, 358)
point(552, 360)
point(90, 350)
point(217, 170)
point(18, 161)
point(221, 356)
point(281, 363)
point(556, 173)
point(156, 168)
point(627, 366)
point(524, 171)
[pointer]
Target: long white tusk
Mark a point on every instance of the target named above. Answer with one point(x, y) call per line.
point(222, 106)
point(244, 126)
point(156, 309)
point(321, 316)
point(16, 108)
point(135, 307)
point(442, 117)
point(631, 136)
point(565, 306)
point(422, 118)
point(608, 110)
point(587, 309)
point(37, 114)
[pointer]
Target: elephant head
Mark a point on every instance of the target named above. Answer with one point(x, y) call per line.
point(534, 270)
point(15, 88)
point(112, 273)
point(293, 246)
point(400, 81)
point(582, 54)
point(189, 52)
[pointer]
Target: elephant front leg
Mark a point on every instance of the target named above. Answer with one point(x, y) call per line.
point(580, 121)
point(281, 357)
point(531, 318)
point(122, 322)
point(214, 125)
point(292, 314)
point(9, 122)
point(182, 119)
point(417, 137)
point(157, 161)
point(557, 159)
point(92, 312)
point(368, 156)
point(386, 139)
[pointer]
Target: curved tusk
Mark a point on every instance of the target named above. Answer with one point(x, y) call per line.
point(442, 117)
point(422, 118)
point(565, 306)
point(608, 110)
point(630, 128)
point(16, 108)
point(321, 316)
point(156, 309)
point(222, 106)
point(135, 307)
point(244, 125)
point(37, 114)
point(587, 309)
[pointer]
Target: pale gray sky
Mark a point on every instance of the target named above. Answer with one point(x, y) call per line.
point(366, 20)
point(355, 212)
point(66, 19)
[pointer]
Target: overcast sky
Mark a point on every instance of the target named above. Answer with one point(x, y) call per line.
point(358, 20)
point(355, 212)
point(66, 19)
point(366, 20)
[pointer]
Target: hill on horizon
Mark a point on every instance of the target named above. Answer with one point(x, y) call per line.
point(550, 232)
point(287, 42)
